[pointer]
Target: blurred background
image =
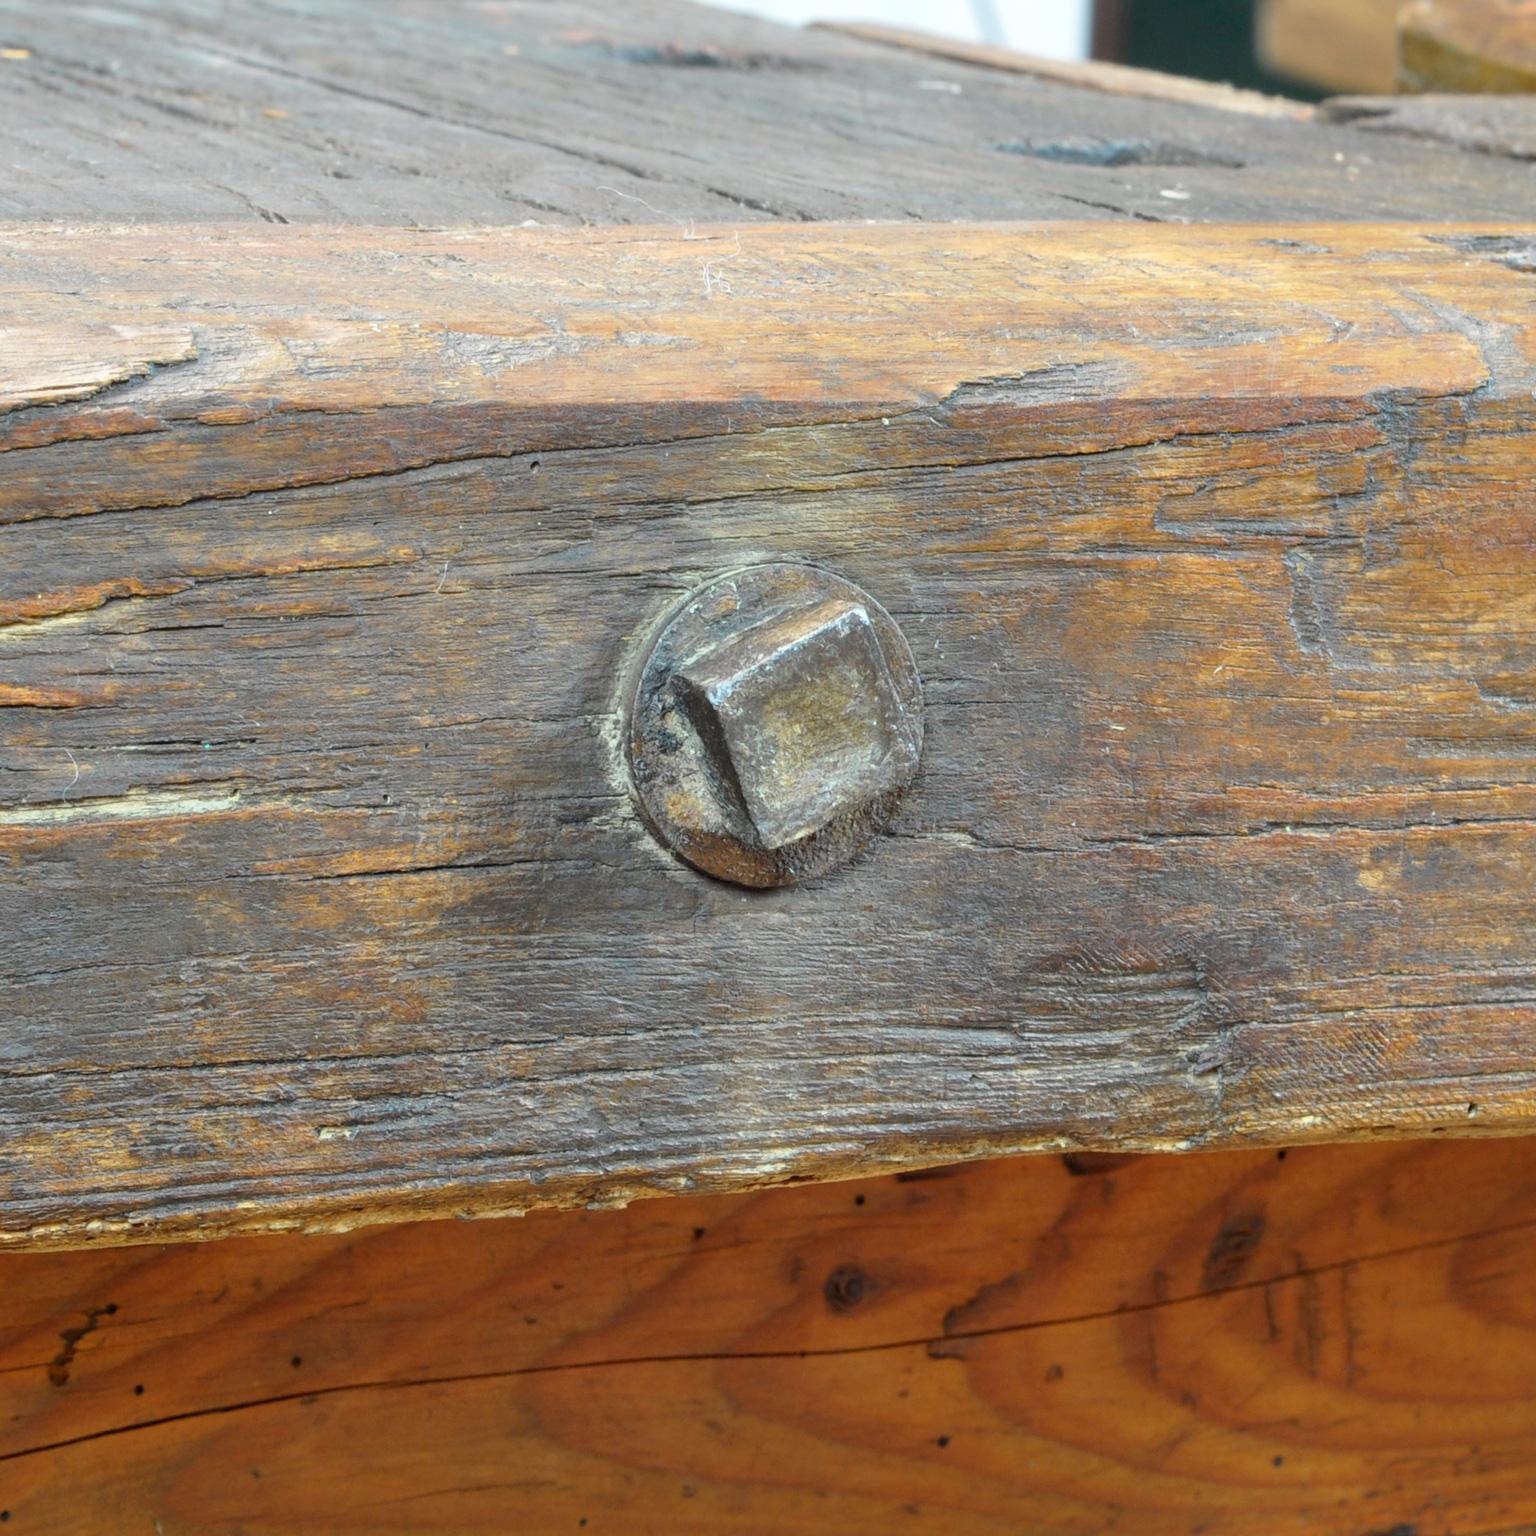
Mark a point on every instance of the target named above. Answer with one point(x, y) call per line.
point(1058, 29)
point(1299, 47)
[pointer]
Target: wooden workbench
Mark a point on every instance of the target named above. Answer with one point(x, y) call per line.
point(329, 547)
point(375, 379)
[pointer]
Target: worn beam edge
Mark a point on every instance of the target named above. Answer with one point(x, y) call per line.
point(322, 1214)
point(411, 955)
point(1088, 75)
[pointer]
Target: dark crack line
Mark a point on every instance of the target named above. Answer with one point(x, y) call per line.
point(813, 423)
point(727, 1357)
point(462, 125)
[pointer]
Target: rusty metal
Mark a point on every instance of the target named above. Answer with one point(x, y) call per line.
point(774, 724)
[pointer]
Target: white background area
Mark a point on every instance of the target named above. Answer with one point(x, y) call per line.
point(1055, 28)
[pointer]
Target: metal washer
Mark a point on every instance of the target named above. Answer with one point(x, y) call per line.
point(677, 777)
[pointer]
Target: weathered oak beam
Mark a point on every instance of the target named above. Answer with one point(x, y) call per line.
point(586, 112)
point(323, 554)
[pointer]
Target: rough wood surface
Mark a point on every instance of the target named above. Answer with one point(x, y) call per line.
point(1467, 45)
point(1490, 125)
point(324, 899)
point(1330, 1342)
point(1089, 75)
point(437, 112)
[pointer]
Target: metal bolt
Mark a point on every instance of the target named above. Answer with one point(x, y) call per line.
point(774, 724)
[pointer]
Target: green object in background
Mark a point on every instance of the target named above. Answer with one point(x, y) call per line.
point(1209, 39)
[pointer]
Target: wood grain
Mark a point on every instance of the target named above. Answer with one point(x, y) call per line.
point(1467, 45)
point(1089, 75)
point(324, 898)
point(1488, 124)
point(444, 112)
point(1327, 1342)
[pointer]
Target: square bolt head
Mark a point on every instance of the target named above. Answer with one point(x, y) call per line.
point(800, 717)
point(773, 723)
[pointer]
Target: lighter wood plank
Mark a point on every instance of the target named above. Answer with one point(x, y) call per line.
point(1340, 45)
point(1089, 75)
point(1467, 45)
point(1323, 1343)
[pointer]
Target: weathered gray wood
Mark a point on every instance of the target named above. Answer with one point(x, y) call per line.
point(1492, 125)
point(436, 112)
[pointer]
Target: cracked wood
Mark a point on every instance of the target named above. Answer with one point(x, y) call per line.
point(1321, 1342)
point(324, 900)
point(438, 112)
